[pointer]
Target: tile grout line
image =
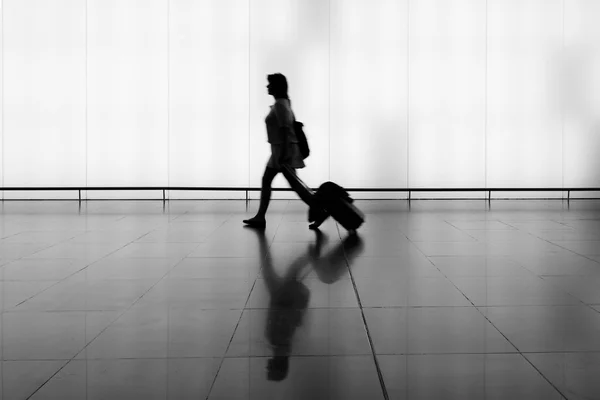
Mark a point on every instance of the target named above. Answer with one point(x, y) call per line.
point(366, 326)
point(212, 385)
point(490, 322)
point(108, 326)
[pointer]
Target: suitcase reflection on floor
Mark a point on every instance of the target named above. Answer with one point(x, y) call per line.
point(289, 296)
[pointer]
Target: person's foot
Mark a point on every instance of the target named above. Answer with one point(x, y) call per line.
point(256, 222)
point(320, 217)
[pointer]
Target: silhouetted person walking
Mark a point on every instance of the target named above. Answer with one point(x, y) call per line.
point(283, 141)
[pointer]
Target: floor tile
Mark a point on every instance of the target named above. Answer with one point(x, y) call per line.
point(20, 379)
point(558, 264)
point(584, 288)
point(548, 328)
point(158, 250)
point(315, 331)
point(538, 224)
point(574, 374)
point(83, 251)
point(340, 294)
point(216, 248)
point(478, 266)
point(161, 332)
point(512, 291)
point(568, 235)
point(586, 224)
point(388, 247)
point(128, 268)
point(418, 292)
point(14, 293)
point(110, 236)
point(201, 293)
point(586, 248)
point(48, 238)
point(533, 246)
point(79, 294)
point(439, 236)
point(433, 330)
point(500, 235)
point(49, 335)
point(481, 225)
point(395, 268)
point(216, 268)
point(181, 232)
point(463, 376)
point(41, 269)
point(132, 379)
point(452, 248)
point(18, 250)
point(318, 378)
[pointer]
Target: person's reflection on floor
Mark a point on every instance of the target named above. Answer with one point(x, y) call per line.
point(289, 296)
point(333, 265)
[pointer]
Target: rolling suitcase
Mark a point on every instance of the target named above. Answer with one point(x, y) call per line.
point(329, 200)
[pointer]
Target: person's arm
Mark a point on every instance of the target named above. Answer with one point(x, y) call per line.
point(285, 119)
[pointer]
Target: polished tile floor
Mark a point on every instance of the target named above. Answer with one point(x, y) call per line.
point(436, 300)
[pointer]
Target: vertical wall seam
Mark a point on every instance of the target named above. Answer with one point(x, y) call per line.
point(168, 95)
point(249, 84)
point(2, 78)
point(329, 91)
point(485, 129)
point(562, 104)
point(86, 96)
point(407, 93)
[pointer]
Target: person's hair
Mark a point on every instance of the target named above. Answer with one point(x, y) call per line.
point(279, 85)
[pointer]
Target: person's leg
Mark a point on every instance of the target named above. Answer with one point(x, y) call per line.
point(265, 197)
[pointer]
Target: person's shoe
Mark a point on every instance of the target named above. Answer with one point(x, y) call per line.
point(319, 218)
point(259, 223)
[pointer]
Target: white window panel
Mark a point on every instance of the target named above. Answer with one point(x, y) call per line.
point(209, 103)
point(580, 89)
point(369, 95)
point(446, 95)
point(524, 125)
point(44, 95)
point(127, 94)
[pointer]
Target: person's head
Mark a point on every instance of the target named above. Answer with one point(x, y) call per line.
point(278, 86)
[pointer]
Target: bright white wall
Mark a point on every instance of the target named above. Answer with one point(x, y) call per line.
point(446, 62)
point(208, 95)
point(43, 118)
point(368, 92)
point(394, 93)
point(580, 87)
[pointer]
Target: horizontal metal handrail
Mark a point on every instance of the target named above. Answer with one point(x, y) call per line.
point(238, 188)
point(251, 189)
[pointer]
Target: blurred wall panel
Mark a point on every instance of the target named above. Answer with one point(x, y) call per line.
point(369, 94)
point(127, 95)
point(44, 95)
point(1, 101)
point(290, 37)
point(524, 124)
point(579, 89)
point(209, 103)
point(446, 94)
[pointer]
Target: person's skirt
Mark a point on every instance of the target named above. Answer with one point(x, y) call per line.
point(294, 151)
